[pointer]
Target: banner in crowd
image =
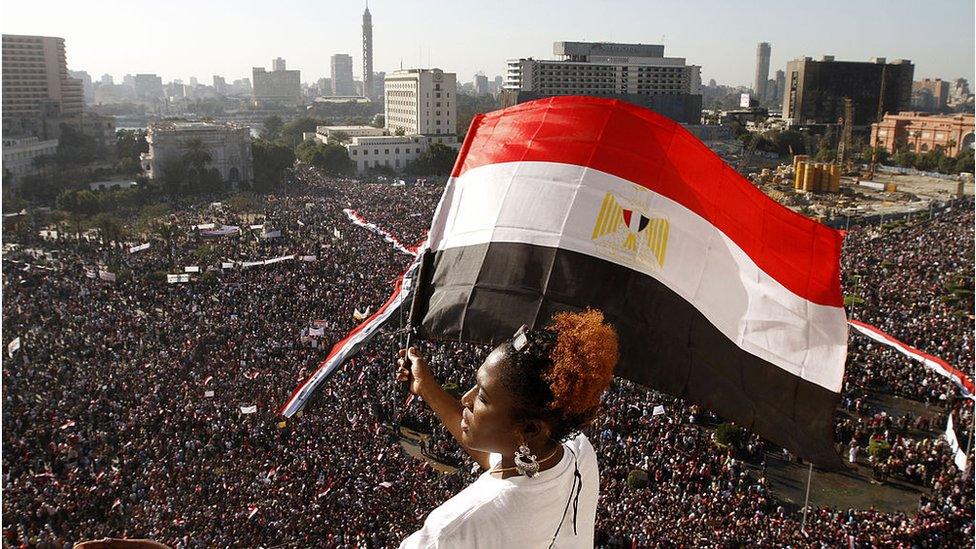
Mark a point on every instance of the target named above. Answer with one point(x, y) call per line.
point(224, 230)
point(359, 220)
point(191, 269)
point(336, 233)
point(249, 409)
point(227, 265)
point(354, 340)
point(177, 278)
point(271, 234)
point(204, 227)
point(246, 264)
point(658, 410)
point(360, 315)
point(719, 294)
point(933, 363)
point(91, 273)
point(106, 276)
point(958, 455)
point(13, 347)
point(309, 258)
point(139, 248)
point(316, 332)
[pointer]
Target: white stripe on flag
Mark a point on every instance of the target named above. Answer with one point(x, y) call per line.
point(557, 205)
point(933, 363)
point(958, 456)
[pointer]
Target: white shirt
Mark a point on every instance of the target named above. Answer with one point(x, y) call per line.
point(519, 511)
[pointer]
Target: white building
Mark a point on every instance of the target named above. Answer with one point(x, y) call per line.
point(229, 146)
point(324, 133)
point(391, 151)
point(19, 154)
point(421, 101)
point(638, 73)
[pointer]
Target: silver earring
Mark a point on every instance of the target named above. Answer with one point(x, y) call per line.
point(525, 462)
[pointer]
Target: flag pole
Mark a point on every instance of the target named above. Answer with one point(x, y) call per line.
point(806, 501)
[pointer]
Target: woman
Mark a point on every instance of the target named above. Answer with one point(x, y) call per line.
point(521, 423)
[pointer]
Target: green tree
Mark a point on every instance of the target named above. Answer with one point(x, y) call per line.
point(196, 157)
point(129, 144)
point(111, 229)
point(293, 132)
point(271, 129)
point(271, 161)
point(173, 174)
point(438, 159)
point(331, 158)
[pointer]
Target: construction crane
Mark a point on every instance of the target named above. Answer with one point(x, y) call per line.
point(874, 145)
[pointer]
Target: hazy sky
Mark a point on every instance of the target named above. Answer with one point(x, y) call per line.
point(180, 38)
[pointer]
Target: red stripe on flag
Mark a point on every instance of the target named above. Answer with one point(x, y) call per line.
point(652, 151)
point(961, 379)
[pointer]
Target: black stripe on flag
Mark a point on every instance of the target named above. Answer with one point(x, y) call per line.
point(483, 293)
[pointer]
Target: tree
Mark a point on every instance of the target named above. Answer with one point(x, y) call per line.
point(77, 149)
point(292, 133)
point(173, 174)
point(129, 144)
point(81, 202)
point(195, 158)
point(331, 158)
point(271, 161)
point(438, 159)
point(110, 228)
point(271, 129)
point(338, 137)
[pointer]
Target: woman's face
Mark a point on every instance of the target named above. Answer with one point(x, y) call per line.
point(487, 422)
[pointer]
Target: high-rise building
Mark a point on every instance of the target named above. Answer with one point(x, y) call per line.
point(194, 82)
point(379, 80)
point(816, 90)
point(637, 73)
point(480, 84)
point(762, 70)
point(107, 80)
point(36, 83)
point(278, 88)
point(930, 95)
point(780, 85)
point(422, 101)
point(88, 90)
point(369, 85)
point(148, 86)
point(219, 84)
point(343, 84)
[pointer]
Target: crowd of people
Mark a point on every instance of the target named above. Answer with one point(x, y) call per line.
point(127, 409)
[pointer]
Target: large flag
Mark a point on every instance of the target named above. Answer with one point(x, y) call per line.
point(719, 294)
point(931, 362)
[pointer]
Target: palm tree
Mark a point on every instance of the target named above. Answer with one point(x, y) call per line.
point(167, 232)
point(196, 157)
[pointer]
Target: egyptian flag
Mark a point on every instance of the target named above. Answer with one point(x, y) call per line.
point(719, 294)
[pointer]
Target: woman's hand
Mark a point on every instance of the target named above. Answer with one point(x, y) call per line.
point(413, 367)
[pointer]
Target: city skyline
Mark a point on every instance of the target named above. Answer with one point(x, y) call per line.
point(468, 37)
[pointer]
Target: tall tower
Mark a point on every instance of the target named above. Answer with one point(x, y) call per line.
point(762, 70)
point(368, 54)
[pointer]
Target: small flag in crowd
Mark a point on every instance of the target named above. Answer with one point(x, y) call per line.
point(208, 394)
point(13, 346)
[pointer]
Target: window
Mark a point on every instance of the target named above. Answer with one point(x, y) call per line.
point(386, 151)
point(354, 152)
point(396, 150)
point(376, 151)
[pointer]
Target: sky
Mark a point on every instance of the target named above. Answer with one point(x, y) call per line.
point(201, 38)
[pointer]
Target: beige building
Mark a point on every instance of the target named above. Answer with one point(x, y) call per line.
point(19, 154)
point(229, 146)
point(921, 132)
point(36, 83)
point(280, 87)
point(391, 151)
point(421, 101)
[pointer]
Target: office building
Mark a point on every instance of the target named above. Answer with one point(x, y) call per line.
point(638, 73)
point(780, 85)
point(219, 84)
point(36, 83)
point(379, 80)
point(87, 87)
point(816, 90)
point(930, 95)
point(148, 86)
point(369, 84)
point(762, 70)
point(107, 80)
point(278, 88)
point(389, 151)
point(421, 101)
point(343, 84)
point(229, 147)
point(923, 132)
point(480, 84)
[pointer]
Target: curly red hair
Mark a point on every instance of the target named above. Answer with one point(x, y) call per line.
point(583, 360)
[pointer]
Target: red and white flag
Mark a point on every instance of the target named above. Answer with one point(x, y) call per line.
point(931, 362)
point(719, 294)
